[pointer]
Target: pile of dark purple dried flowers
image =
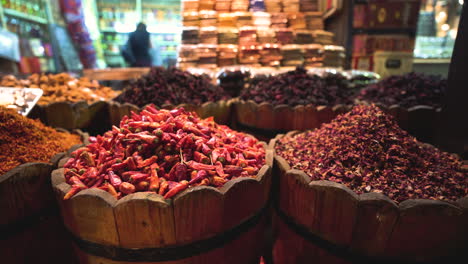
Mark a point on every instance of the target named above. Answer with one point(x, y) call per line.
point(367, 151)
point(172, 86)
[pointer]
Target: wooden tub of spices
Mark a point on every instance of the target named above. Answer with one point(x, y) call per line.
point(30, 226)
point(293, 100)
point(167, 191)
point(173, 88)
point(361, 190)
point(68, 102)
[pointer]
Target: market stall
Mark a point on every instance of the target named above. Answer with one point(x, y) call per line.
point(260, 145)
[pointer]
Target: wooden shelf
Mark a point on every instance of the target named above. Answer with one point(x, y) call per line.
point(21, 15)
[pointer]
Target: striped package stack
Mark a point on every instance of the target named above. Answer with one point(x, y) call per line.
point(206, 5)
point(190, 35)
point(297, 21)
point(247, 36)
point(209, 35)
point(292, 55)
point(227, 55)
point(313, 55)
point(240, 5)
point(208, 18)
point(273, 6)
point(227, 20)
point(290, 6)
point(303, 36)
point(266, 35)
point(244, 19)
point(190, 5)
point(207, 56)
point(314, 20)
point(284, 36)
point(308, 5)
point(188, 56)
point(249, 55)
point(323, 37)
point(228, 35)
point(191, 19)
point(261, 19)
point(223, 5)
point(279, 20)
point(270, 55)
point(333, 56)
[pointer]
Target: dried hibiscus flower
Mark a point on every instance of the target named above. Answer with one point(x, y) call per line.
point(367, 151)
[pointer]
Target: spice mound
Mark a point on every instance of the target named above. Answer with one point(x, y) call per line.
point(299, 87)
point(367, 151)
point(24, 140)
point(407, 90)
point(62, 87)
point(171, 87)
point(165, 152)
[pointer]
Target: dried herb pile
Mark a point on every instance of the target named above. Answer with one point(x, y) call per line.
point(62, 87)
point(171, 87)
point(24, 140)
point(300, 88)
point(367, 151)
point(406, 90)
point(164, 152)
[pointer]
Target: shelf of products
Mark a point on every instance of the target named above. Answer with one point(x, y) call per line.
point(119, 18)
point(254, 33)
point(382, 32)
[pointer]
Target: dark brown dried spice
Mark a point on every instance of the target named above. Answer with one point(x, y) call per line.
point(367, 151)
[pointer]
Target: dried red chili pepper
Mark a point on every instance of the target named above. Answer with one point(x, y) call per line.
point(165, 152)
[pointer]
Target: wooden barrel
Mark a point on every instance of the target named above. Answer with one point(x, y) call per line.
point(92, 118)
point(420, 121)
point(31, 230)
point(326, 222)
point(221, 110)
point(200, 225)
point(282, 118)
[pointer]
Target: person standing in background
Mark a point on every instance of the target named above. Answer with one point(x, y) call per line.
point(140, 45)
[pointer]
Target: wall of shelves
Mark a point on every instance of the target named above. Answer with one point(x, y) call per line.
point(116, 19)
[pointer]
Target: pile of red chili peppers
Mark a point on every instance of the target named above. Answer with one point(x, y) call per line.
point(164, 152)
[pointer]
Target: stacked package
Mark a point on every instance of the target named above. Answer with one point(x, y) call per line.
point(250, 55)
point(206, 4)
point(333, 56)
point(207, 56)
point(308, 5)
point(292, 55)
point(285, 36)
point(227, 20)
point(208, 18)
point(323, 37)
point(270, 55)
point(290, 6)
point(190, 35)
point(209, 35)
point(247, 36)
point(190, 5)
point(313, 55)
point(240, 5)
point(228, 35)
point(190, 19)
point(314, 21)
point(223, 5)
point(273, 6)
point(227, 55)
